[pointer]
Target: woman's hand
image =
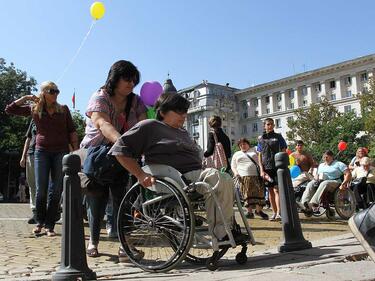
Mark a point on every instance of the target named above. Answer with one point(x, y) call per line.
point(26, 98)
point(146, 180)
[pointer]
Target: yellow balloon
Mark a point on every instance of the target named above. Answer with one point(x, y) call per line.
point(292, 161)
point(97, 10)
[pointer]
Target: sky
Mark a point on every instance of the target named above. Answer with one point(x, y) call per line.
point(240, 42)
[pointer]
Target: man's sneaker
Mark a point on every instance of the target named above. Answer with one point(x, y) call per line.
point(278, 217)
point(261, 214)
point(362, 225)
point(110, 232)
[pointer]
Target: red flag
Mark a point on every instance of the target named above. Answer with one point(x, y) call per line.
point(74, 99)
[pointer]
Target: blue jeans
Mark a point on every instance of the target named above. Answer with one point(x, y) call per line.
point(48, 165)
point(96, 203)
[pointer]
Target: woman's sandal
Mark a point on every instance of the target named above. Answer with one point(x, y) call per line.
point(92, 253)
point(50, 233)
point(37, 229)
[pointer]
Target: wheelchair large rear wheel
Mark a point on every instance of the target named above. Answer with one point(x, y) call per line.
point(345, 203)
point(157, 221)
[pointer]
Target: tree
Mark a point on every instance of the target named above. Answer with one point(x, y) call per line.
point(322, 126)
point(80, 124)
point(13, 84)
point(367, 101)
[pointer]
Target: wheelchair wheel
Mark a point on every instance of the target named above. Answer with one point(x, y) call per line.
point(158, 221)
point(330, 213)
point(345, 203)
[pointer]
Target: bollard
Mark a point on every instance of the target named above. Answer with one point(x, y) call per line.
point(73, 264)
point(293, 236)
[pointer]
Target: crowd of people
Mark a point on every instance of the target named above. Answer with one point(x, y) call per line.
point(116, 118)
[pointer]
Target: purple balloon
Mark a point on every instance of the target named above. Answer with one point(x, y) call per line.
point(150, 91)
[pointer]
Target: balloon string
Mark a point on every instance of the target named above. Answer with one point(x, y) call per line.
point(77, 52)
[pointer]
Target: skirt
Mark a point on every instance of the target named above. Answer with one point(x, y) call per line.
point(252, 190)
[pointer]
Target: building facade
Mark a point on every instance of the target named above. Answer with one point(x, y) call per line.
point(243, 111)
point(208, 99)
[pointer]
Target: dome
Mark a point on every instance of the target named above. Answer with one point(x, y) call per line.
point(168, 87)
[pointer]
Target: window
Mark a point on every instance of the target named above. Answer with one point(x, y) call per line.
point(196, 122)
point(291, 94)
point(291, 106)
point(278, 107)
point(225, 129)
point(318, 88)
point(255, 102)
point(244, 129)
point(333, 97)
point(256, 113)
point(255, 127)
point(268, 111)
point(348, 80)
point(348, 94)
point(290, 118)
point(278, 97)
point(304, 91)
point(304, 103)
point(244, 104)
point(278, 123)
point(244, 115)
point(347, 108)
point(332, 84)
point(364, 77)
point(267, 99)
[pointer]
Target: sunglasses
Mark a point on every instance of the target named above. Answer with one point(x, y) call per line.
point(53, 91)
point(180, 112)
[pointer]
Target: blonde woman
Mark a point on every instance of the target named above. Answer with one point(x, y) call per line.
point(55, 132)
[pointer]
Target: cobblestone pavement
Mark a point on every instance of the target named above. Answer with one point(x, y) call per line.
point(26, 257)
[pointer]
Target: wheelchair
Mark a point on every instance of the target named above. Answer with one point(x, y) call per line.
point(168, 222)
point(340, 201)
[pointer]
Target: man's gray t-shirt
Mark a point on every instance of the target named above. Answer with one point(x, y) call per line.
point(160, 144)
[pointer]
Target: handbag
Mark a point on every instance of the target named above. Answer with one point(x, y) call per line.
point(261, 180)
point(103, 168)
point(218, 159)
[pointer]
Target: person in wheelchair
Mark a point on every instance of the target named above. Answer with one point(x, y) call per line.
point(165, 141)
point(363, 183)
point(328, 178)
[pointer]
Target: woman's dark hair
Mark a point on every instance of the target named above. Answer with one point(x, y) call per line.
point(121, 69)
point(170, 102)
point(243, 140)
point(215, 122)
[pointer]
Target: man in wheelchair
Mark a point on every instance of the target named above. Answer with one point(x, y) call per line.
point(165, 141)
point(328, 179)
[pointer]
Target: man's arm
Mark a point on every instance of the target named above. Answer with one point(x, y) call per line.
point(347, 178)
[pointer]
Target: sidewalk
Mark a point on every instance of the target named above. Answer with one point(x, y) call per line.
point(24, 257)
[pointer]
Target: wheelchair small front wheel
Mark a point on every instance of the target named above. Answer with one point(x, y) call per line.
point(241, 258)
point(211, 264)
point(330, 213)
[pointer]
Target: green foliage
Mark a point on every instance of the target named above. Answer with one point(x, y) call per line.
point(322, 127)
point(13, 84)
point(79, 122)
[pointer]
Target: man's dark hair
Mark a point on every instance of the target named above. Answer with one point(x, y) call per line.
point(329, 153)
point(269, 120)
point(170, 102)
point(121, 69)
point(300, 142)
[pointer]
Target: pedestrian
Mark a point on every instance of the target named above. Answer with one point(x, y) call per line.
point(27, 161)
point(305, 162)
point(269, 144)
point(111, 111)
point(215, 125)
point(245, 168)
point(55, 132)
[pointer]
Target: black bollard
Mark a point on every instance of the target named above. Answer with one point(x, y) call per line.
point(73, 264)
point(293, 236)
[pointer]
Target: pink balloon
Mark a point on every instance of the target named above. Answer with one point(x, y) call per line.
point(150, 91)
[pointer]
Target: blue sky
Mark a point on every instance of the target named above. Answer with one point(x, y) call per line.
point(236, 41)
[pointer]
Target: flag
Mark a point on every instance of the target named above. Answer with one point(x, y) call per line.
point(74, 99)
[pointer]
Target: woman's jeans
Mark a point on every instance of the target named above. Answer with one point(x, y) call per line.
point(48, 179)
point(96, 202)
